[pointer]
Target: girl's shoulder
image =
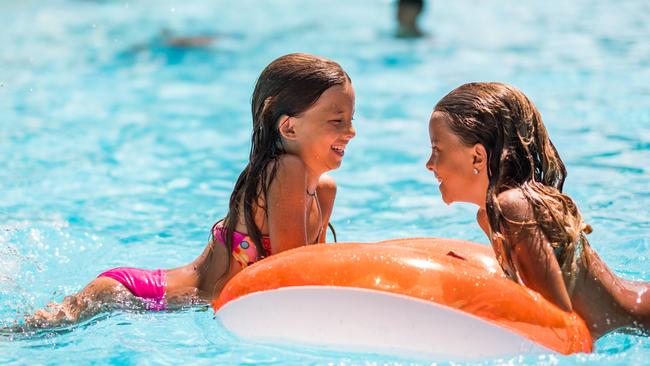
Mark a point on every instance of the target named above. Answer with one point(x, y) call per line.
point(326, 184)
point(326, 191)
point(514, 205)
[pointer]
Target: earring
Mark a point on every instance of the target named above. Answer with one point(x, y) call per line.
point(475, 171)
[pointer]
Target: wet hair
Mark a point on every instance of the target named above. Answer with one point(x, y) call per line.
point(519, 155)
point(287, 86)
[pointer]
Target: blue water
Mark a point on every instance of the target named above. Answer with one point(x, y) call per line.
point(118, 150)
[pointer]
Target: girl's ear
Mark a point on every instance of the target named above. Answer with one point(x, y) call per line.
point(480, 157)
point(287, 127)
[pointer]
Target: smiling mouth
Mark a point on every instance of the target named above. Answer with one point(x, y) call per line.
point(339, 149)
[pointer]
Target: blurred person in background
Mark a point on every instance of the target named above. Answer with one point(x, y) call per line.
point(408, 12)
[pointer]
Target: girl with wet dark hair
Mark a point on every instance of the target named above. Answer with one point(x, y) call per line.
point(490, 147)
point(302, 110)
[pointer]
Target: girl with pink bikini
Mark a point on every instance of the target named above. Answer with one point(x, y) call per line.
point(302, 110)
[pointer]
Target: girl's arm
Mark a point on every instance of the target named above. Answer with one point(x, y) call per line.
point(533, 255)
point(286, 205)
point(326, 194)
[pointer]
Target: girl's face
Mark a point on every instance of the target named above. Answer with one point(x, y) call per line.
point(323, 131)
point(454, 163)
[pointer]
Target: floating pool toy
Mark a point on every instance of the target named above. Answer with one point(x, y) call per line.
point(432, 296)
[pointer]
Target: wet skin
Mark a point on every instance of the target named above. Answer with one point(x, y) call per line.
point(605, 301)
point(299, 203)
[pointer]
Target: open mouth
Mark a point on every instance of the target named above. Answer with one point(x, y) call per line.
point(339, 149)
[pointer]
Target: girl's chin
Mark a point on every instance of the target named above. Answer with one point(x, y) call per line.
point(330, 166)
point(445, 196)
point(336, 162)
point(338, 157)
point(449, 200)
point(446, 200)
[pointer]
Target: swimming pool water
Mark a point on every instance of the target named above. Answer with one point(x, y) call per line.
point(118, 150)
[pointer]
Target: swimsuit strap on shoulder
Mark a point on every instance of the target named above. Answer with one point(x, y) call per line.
point(320, 216)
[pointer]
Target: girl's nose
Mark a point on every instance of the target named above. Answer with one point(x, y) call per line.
point(351, 132)
point(430, 163)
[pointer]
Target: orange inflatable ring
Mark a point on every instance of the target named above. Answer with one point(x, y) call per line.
point(459, 274)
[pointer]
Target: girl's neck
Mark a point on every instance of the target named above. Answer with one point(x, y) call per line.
point(312, 179)
point(313, 176)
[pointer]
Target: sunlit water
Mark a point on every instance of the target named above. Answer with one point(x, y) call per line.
point(118, 150)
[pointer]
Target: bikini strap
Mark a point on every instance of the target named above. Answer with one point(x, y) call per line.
point(329, 225)
point(320, 215)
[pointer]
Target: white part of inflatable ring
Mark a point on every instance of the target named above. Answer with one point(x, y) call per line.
point(354, 319)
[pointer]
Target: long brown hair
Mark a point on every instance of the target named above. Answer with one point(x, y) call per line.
point(287, 86)
point(520, 155)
